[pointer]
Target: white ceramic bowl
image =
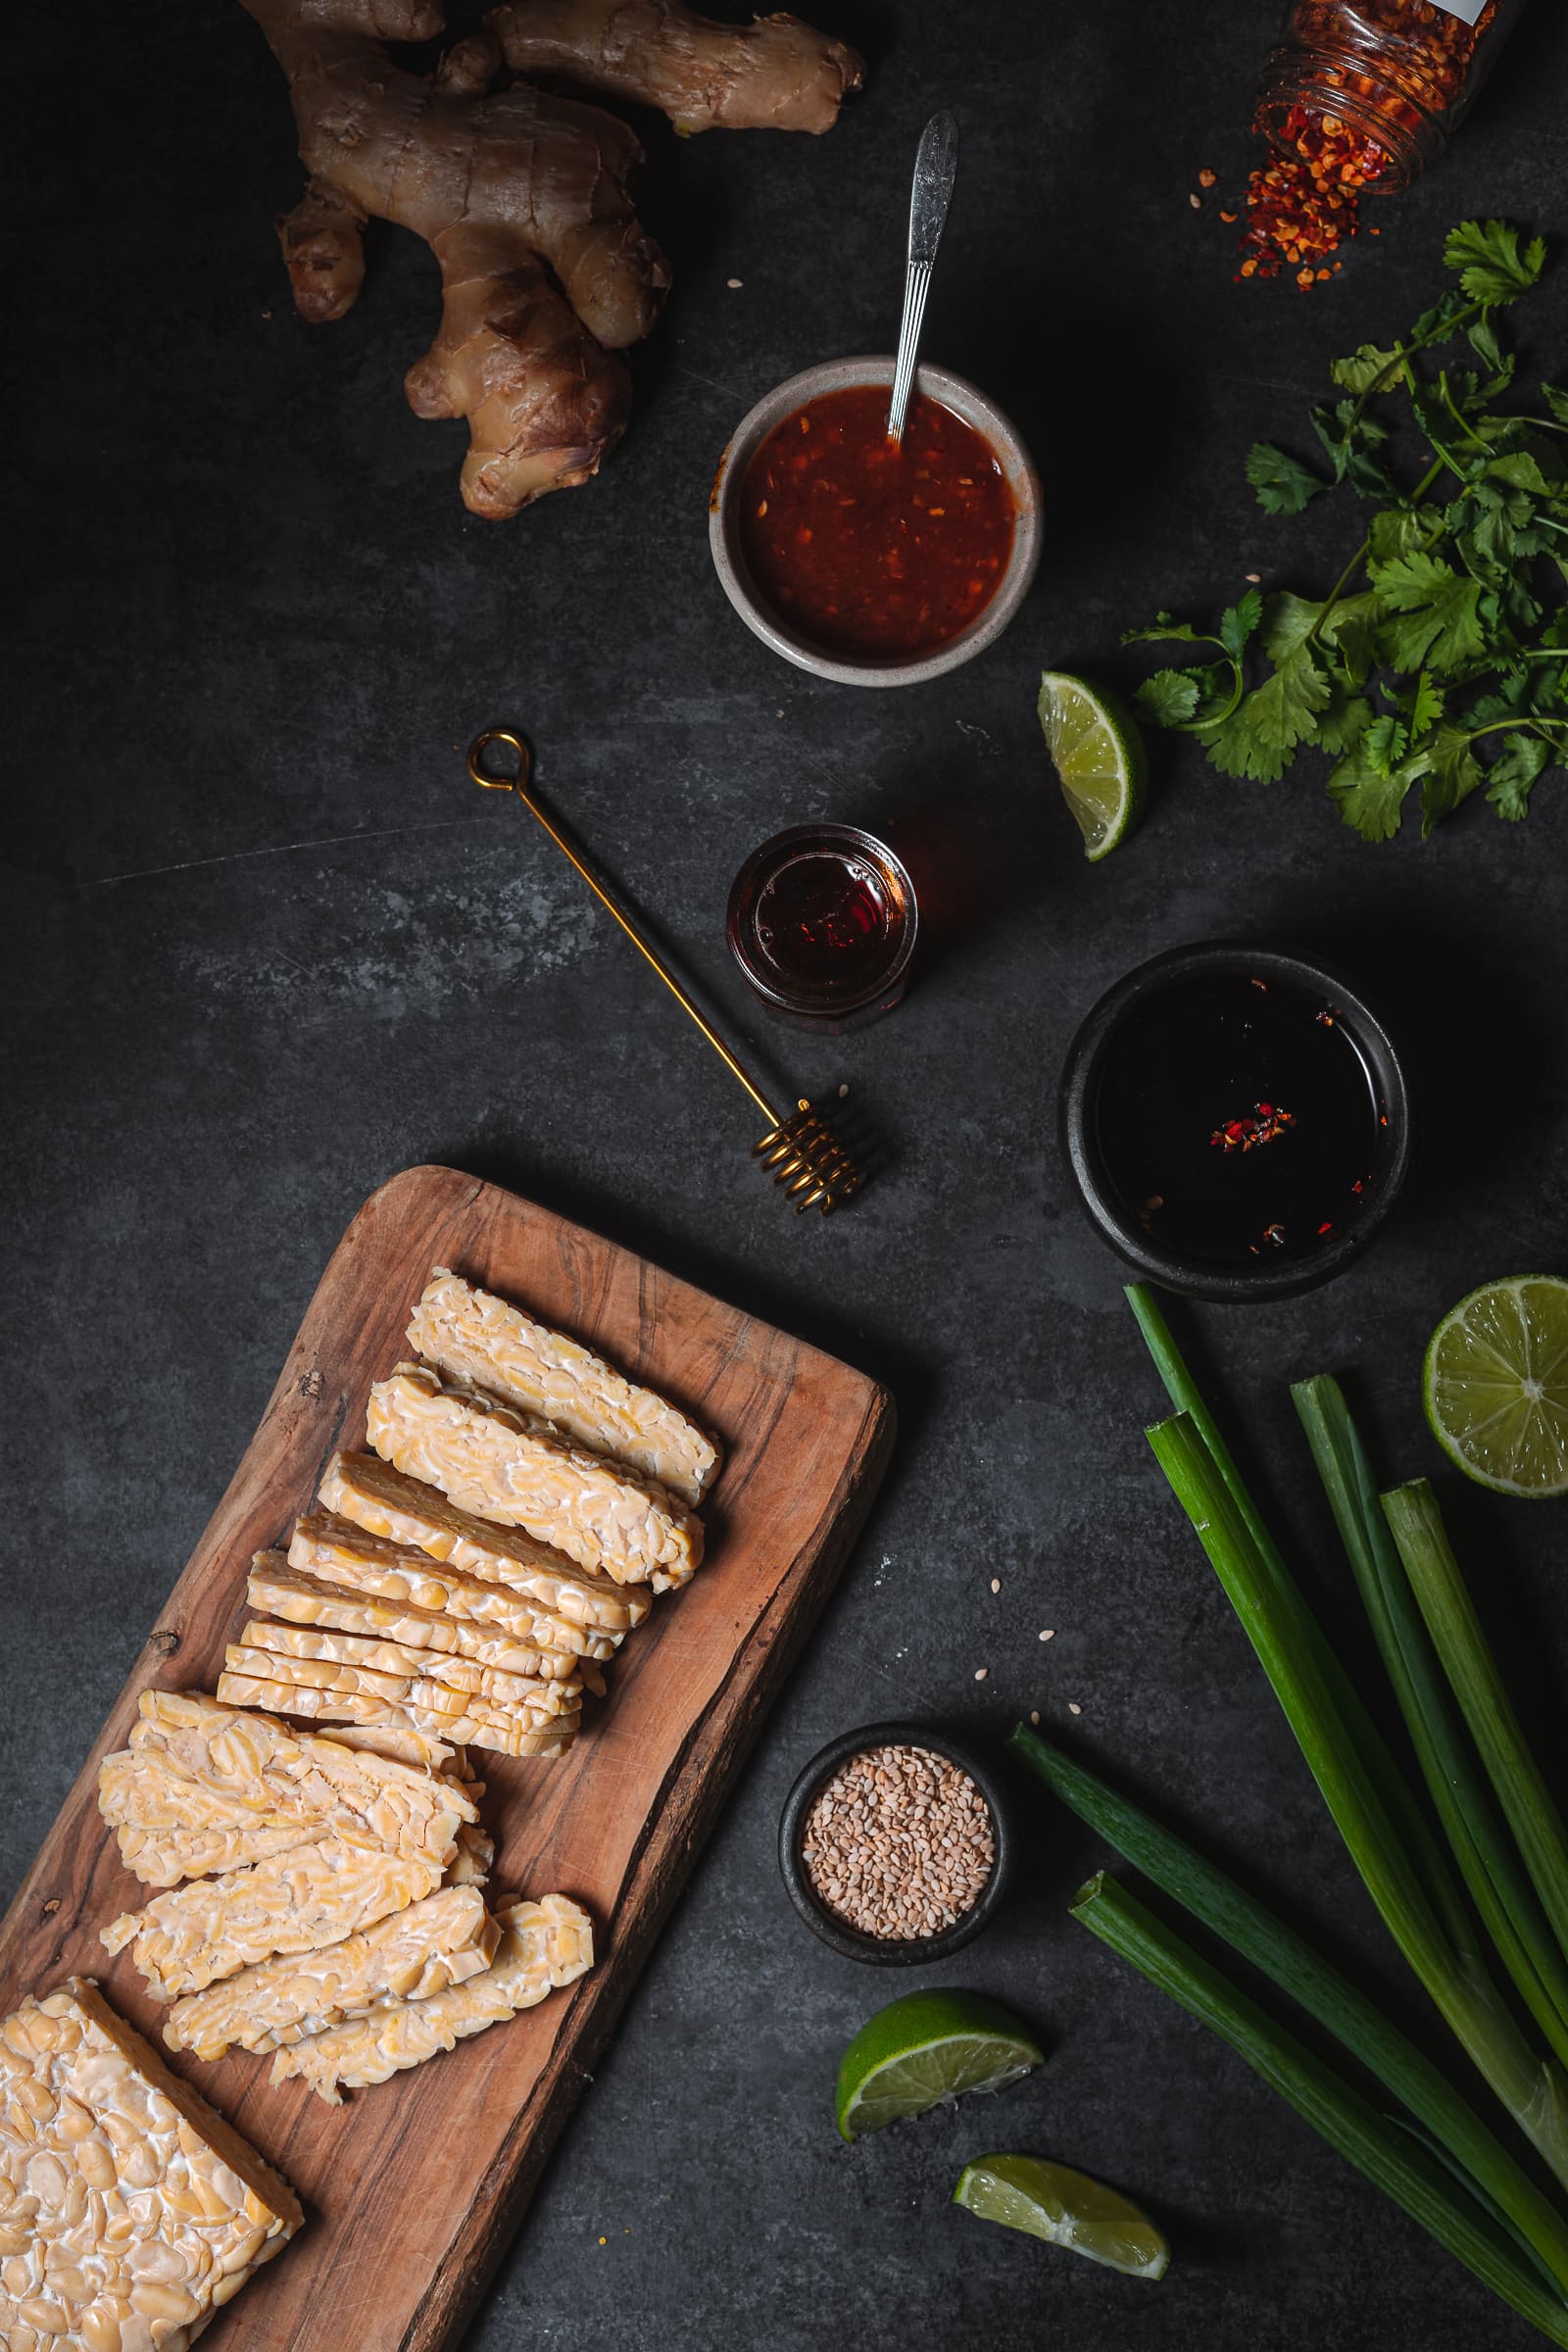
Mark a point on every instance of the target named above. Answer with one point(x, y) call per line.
point(729, 556)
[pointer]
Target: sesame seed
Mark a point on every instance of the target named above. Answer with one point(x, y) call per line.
point(1049, 1634)
point(900, 1843)
point(1034, 1714)
point(1255, 577)
point(980, 1673)
point(733, 285)
point(1197, 203)
point(995, 1583)
point(1073, 1708)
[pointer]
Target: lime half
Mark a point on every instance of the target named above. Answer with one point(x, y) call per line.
point(1495, 1385)
point(1098, 757)
point(925, 2049)
point(1066, 2209)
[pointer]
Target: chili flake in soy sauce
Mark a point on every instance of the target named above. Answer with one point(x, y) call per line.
point(871, 548)
point(1239, 1120)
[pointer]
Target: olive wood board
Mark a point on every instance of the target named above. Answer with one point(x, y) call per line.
point(413, 2188)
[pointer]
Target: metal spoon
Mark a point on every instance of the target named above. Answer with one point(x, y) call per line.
point(935, 166)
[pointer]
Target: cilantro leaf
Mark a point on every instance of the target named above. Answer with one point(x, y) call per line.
point(1398, 529)
point(1431, 613)
point(1384, 743)
point(1344, 719)
point(1512, 773)
point(1490, 267)
point(1366, 368)
point(1426, 706)
point(1165, 628)
point(1556, 402)
point(1451, 773)
point(1284, 486)
point(1237, 622)
point(1365, 797)
point(1259, 739)
point(1168, 698)
point(1351, 627)
point(1288, 621)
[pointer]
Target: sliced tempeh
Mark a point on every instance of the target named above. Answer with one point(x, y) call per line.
point(130, 2212)
point(441, 1941)
point(402, 1689)
point(485, 1460)
point(195, 1763)
point(409, 1747)
point(302, 1600)
point(470, 1335)
point(543, 1946)
point(550, 1691)
point(356, 1707)
point(163, 1857)
point(389, 1535)
point(297, 1902)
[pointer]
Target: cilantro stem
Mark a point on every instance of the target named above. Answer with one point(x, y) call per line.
point(1503, 726)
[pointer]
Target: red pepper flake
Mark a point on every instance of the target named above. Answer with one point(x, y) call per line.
point(1325, 1227)
point(1327, 1019)
point(1275, 1234)
point(1206, 177)
point(1264, 1127)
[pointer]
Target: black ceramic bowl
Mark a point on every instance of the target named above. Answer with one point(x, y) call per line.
point(1092, 1052)
point(837, 1932)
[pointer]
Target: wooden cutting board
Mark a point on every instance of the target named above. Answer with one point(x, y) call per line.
point(413, 2188)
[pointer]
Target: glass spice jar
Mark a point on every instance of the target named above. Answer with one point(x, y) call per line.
point(822, 921)
point(1366, 93)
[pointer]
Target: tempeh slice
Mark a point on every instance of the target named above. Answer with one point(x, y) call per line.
point(131, 2210)
point(402, 1689)
point(356, 1707)
point(551, 1692)
point(222, 1767)
point(587, 1615)
point(410, 1747)
point(542, 1946)
point(163, 1857)
point(301, 1599)
point(485, 1460)
point(186, 1940)
point(441, 1941)
point(470, 1335)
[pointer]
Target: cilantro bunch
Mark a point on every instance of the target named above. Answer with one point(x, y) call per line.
point(1439, 655)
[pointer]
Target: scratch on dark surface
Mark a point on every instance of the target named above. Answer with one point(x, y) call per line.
point(281, 849)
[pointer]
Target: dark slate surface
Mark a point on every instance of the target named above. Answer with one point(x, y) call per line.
point(267, 946)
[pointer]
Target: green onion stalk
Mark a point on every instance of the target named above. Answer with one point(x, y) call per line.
point(1501, 1890)
point(1487, 2169)
point(1377, 2146)
point(1416, 1524)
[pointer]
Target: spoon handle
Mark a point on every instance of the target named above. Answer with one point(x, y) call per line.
point(936, 164)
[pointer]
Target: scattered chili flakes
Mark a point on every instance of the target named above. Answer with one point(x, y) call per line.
point(1275, 1234)
point(1264, 1125)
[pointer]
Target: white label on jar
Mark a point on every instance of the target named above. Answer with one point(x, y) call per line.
point(1466, 10)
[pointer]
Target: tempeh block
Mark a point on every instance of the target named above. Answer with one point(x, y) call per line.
point(129, 2210)
point(163, 1857)
point(470, 1335)
point(402, 1689)
point(405, 1542)
point(485, 1460)
point(355, 1707)
point(302, 1600)
point(195, 1763)
point(441, 1941)
point(542, 1946)
point(551, 1692)
point(186, 1940)
point(410, 1747)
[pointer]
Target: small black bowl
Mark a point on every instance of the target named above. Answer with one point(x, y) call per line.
point(1113, 1221)
point(825, 1923)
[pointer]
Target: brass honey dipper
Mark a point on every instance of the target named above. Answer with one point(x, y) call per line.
point(801, 1153)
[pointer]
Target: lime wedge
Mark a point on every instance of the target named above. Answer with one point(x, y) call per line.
point(1098, 757)
point(925, 2049)
point(1066, 2209)
point(1495, 1385)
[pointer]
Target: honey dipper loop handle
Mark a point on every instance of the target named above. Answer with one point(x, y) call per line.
point(520, 785)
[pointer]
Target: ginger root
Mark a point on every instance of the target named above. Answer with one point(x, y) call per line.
point(523, 197)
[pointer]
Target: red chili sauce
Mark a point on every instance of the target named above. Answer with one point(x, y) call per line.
point(868, 548)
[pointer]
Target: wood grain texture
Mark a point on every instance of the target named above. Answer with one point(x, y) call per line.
point(413, 2188)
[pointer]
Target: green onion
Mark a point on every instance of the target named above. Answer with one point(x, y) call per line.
point(1388, 2154)
point(1417, 1525)
point(1416, 1833)
point(1253, 1930)
point(1499, 1889)
point(1452, 1972)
